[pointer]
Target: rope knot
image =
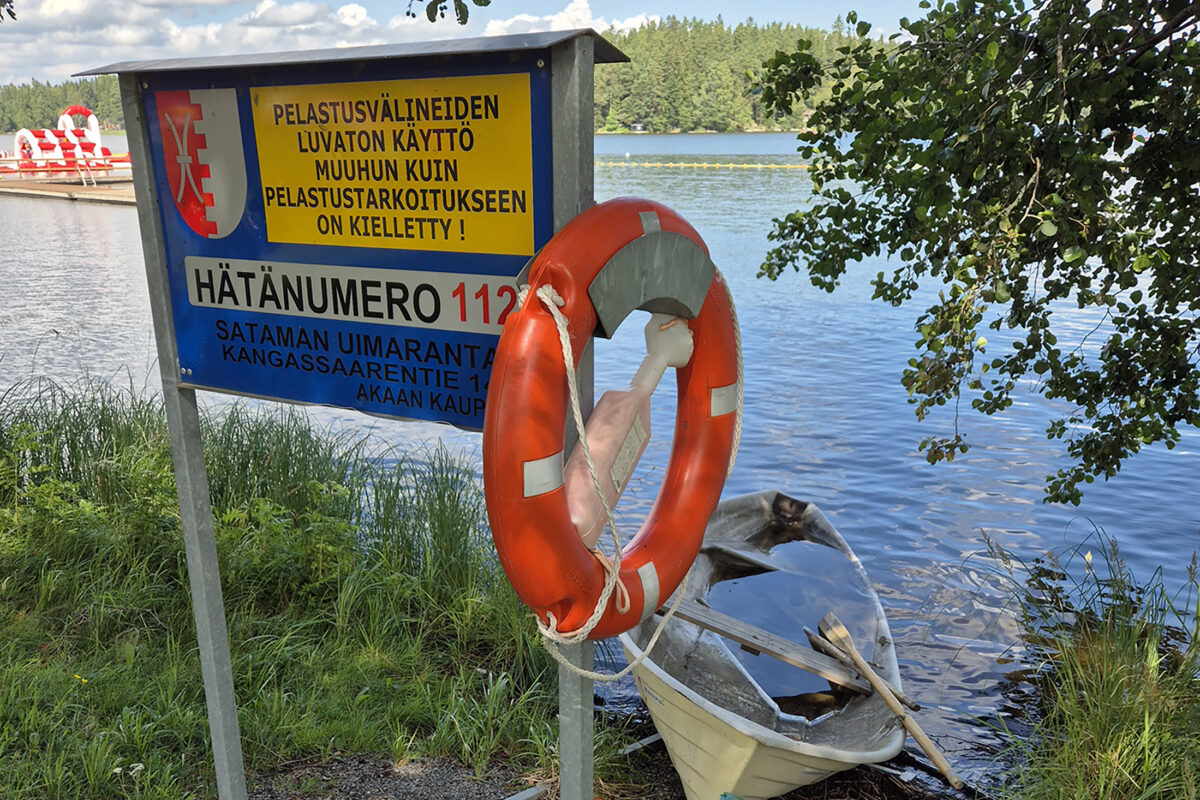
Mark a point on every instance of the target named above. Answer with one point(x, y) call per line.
point(548, 295)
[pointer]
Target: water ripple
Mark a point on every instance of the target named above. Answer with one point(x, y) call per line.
point(826, 418)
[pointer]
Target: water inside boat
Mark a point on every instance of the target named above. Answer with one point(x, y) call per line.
point(810, 579)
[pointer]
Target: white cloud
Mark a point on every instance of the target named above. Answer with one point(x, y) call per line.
point(268, 13)
point(174, 4)
point(90, 18)
point(633, 23)
point(193, 39)
point(56, 8)
point(577, 14)
point(410, 29)
point(353, 15)
point(54, 38)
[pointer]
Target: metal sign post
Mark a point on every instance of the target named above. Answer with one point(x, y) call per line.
point(191, 478)
point(574, 192)
point(345, 227)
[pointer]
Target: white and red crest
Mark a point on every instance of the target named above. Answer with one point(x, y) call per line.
point(206, 168)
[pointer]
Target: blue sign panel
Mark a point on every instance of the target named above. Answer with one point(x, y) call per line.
point(350, 234)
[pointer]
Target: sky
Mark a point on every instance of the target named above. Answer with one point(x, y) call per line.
point(52, 39)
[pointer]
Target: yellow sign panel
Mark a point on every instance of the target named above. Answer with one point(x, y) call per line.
point(443, 164)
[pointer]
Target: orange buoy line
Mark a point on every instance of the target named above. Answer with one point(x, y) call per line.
point(696, 165)
point(546, 545)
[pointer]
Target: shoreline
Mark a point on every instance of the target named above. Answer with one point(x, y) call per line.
point(113, 191)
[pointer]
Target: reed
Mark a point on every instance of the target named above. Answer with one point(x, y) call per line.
point(363, 597)
point(1117, 679)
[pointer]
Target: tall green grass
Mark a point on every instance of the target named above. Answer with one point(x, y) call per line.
point(366, 609)
point(1117, 680)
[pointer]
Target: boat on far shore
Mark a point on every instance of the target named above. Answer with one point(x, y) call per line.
point(746, 710)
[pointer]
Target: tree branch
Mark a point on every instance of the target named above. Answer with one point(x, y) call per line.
point(1169, 29)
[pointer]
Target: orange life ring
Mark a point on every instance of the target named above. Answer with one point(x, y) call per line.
point(623, 254)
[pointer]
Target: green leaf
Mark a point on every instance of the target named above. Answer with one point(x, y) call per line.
point(431, 10)
point(953, 156)
point(460, 12)
point(1074, 253)
point(862, 29)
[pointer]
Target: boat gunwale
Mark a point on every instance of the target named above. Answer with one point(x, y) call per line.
point(761, 733)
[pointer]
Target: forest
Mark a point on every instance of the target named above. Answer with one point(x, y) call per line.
point(683, 75)
point(38, 105)
point(693, 75)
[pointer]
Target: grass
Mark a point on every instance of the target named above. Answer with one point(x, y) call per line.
point(1117, 681)
point(366, 610)
point(367, 614)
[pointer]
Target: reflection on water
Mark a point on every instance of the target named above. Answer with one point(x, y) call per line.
point(73, 292)
point(826, 418)
point(812, 581)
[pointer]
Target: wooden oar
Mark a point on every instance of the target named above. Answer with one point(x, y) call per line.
point(757, 640)
point(822, 645)
point(833, 630)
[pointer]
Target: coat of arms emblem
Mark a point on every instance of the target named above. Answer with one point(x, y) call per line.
point(202, 147)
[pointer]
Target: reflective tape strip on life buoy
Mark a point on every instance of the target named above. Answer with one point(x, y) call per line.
point(616, 257)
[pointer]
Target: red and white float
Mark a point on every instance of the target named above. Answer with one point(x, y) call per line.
point(65, 150)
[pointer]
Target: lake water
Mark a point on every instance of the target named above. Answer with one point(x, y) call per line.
point(826, 418)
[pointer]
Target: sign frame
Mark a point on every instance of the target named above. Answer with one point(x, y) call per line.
point(407, 349)
point(567, 59)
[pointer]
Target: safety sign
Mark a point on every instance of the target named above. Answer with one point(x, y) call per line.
point(350, 238)
point(346, 227)
point(440, 164)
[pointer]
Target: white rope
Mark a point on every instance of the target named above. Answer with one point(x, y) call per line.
point(550, 635)
point(606, 677)
point(522, 293)
point(551, 299)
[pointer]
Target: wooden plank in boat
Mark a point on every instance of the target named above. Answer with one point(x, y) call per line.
point(761, 641)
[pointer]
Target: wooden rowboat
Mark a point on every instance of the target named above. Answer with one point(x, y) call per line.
point(741, 706)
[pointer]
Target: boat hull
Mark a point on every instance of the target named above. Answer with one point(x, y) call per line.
point(714, 755)
point(716, 750)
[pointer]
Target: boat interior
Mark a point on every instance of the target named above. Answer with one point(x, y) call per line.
point(774, 678)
